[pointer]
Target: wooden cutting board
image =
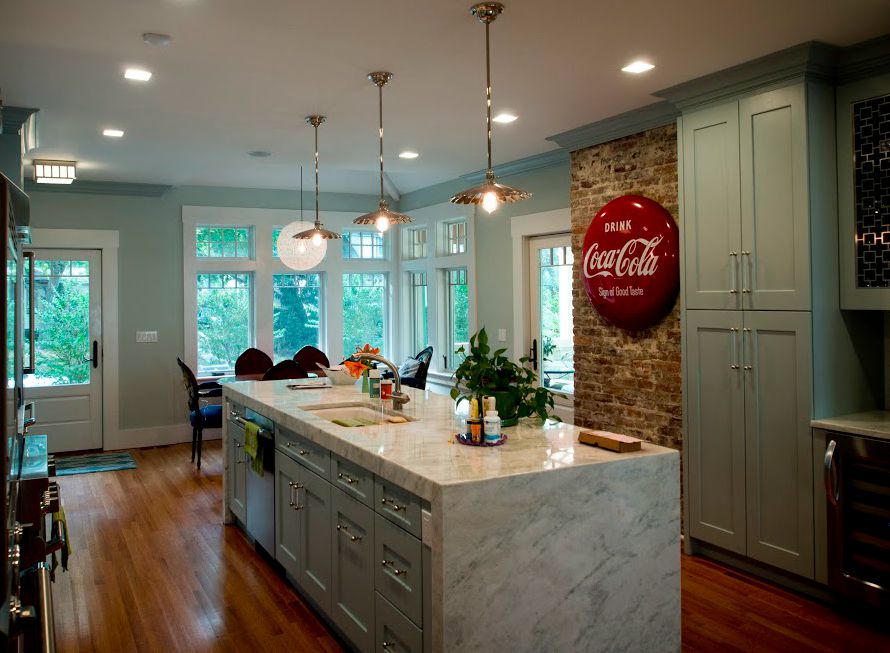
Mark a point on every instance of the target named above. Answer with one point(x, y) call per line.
point(610, 441)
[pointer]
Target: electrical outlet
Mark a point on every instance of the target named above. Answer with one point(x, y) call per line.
point(502, 335)
point(146, 336)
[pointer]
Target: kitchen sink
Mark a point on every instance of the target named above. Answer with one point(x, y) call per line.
point(360, 415)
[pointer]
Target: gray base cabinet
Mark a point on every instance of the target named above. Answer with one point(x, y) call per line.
point(237, 472)
point(314, 508)
point(394, 631)
point(287, 523)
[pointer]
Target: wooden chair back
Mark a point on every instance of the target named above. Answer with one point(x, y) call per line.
point(310, 357)
point(252, 361)
point(286, 369)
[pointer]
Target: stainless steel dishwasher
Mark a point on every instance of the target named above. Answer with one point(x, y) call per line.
point(260, 490)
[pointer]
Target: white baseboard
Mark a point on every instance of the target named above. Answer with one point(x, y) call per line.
point(157, 436)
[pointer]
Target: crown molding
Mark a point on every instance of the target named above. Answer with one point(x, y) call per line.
point(15, 117)
point(83, 186)
point(624, 124)
point(527, 164)
point(865, 59)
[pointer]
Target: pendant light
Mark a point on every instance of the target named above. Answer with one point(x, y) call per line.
point(383, 217)
point(295, 253)
point(490, 193)
point(318, 233)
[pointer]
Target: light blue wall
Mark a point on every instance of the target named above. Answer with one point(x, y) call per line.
point(494, 254)
point(150, 278)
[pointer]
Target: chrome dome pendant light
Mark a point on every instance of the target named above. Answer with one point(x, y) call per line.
point(299, 254)
point(318, 233)
point(490, 193)
point(383, 217)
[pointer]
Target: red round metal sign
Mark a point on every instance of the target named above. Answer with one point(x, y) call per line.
point(631, 262)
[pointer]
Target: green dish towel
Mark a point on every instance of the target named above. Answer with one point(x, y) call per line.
point(253, 447)
point(355, 421)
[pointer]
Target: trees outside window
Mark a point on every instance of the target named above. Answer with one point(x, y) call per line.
point(364, 310)
point(296, 313)
point(223, 319)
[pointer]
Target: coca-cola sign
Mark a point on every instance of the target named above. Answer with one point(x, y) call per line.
point(631, 262)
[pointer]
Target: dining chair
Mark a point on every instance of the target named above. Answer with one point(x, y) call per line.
point(414, 370)
point(309, 358)
point(286, 369)
point(200, 417)
point(252, 361)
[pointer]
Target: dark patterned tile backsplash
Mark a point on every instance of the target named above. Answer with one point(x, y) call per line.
point(871, 142)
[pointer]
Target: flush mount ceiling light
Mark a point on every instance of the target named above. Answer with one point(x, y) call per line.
point(408, 155)
point(383, 217)
point(264, 154)
point(318, 233)
point(295, 253)
point(490, 193)
point(113, 133)
point(137, 74)
point(504, 118)
point(54, 172)
point(637, 67)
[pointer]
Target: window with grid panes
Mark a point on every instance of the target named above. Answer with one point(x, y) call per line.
point(364, 310)
point(296, 313)
point(222, 242)
point(363, 245)
point(457, 315)
point(419, 311)
point(456, 237)
point(223, 319)
point(416, 245)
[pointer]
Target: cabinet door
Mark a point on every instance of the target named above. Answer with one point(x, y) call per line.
point(716, 428)
point(775, 254)
point(777, 364)
point(237, 487)
point(352, 569)
point(711, 207)
point(314, 505)
point(287, 517)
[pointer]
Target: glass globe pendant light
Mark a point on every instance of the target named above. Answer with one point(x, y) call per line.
point(295, 253)
point(383, 218)
point(490, 193)
point(318, 233)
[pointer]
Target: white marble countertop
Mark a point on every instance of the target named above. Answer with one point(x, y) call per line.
point(873, 423)
point(422, 456)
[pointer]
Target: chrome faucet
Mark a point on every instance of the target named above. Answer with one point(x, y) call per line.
point(399, 398)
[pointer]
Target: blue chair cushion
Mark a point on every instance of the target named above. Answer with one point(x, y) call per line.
point(212, 417)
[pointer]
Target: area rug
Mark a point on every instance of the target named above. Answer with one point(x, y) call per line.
point(94, 462)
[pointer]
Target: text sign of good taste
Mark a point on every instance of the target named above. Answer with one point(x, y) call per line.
point(631, 262)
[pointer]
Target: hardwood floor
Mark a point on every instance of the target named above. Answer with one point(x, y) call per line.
point(154, 569)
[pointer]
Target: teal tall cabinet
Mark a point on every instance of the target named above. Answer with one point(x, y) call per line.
point(748, 240)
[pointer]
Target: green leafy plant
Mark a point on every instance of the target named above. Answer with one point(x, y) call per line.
point(484, 372)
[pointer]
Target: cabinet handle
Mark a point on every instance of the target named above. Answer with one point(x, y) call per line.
point(746, 266)
point(347, 478)
point(352, 538)
point(831, 474)
point(386, 644)
point(303, 452)
point(291, 445)
point(733, 344)
point(748, 367)
point(733, 273)
point(391, 502)
point(392, 567)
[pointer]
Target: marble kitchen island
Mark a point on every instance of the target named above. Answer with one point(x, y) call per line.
point(542, 544)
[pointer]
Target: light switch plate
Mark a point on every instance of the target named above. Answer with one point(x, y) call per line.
point(502, 335)
point(146, 336)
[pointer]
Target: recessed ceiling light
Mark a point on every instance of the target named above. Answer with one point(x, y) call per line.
point(504, 118)
point(137, 74)
point(113, 133)
point(153, 38)
point(637, 67)
point(260, 154)
point(408, 155)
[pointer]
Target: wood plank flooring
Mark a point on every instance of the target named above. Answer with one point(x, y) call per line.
point(154, 569)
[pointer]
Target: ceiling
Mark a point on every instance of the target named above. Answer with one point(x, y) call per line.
point(240, 76)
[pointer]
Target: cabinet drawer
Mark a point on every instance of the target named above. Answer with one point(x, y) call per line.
point(355, 481)
point(395, 632)
point(307, 453)
point(399, 572)
point(398, 505)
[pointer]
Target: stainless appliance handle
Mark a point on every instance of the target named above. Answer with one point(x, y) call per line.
point(240, 421)
point(31, 367)
point(47, 625)
point(830, 474)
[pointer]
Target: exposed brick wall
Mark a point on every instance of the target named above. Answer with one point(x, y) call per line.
point(625, 382)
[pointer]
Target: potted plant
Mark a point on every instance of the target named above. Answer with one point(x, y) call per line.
point(484, 372)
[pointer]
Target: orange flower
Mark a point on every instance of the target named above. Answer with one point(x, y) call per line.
point(354, 368)
point(367, 349)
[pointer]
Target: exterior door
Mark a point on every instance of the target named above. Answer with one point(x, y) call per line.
point(777, 363)
point(550, 301)
point(66, 386)
point(716, 428)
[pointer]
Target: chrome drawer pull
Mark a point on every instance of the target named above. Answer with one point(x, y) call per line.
point(393, 568)
point(303, 452)
point(386, 644)
point(291, 444)
point(347, 477)
point(352, 538)
point(391, 502)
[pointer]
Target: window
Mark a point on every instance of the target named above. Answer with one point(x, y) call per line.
point(456, 237)
point(415, 245)
point(364, 311)
point(419, 313)
point(222, 242)
point(363, 244)
point(275, 233)
point(553, 314)
point(457, 312)
point(296, 313)
point(223, 319)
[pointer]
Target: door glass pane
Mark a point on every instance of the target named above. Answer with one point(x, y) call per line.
point(419, 312)
point(557, 348)
point(295, 313)
point(364, 311)
point(61, 322)
point(224, 325)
